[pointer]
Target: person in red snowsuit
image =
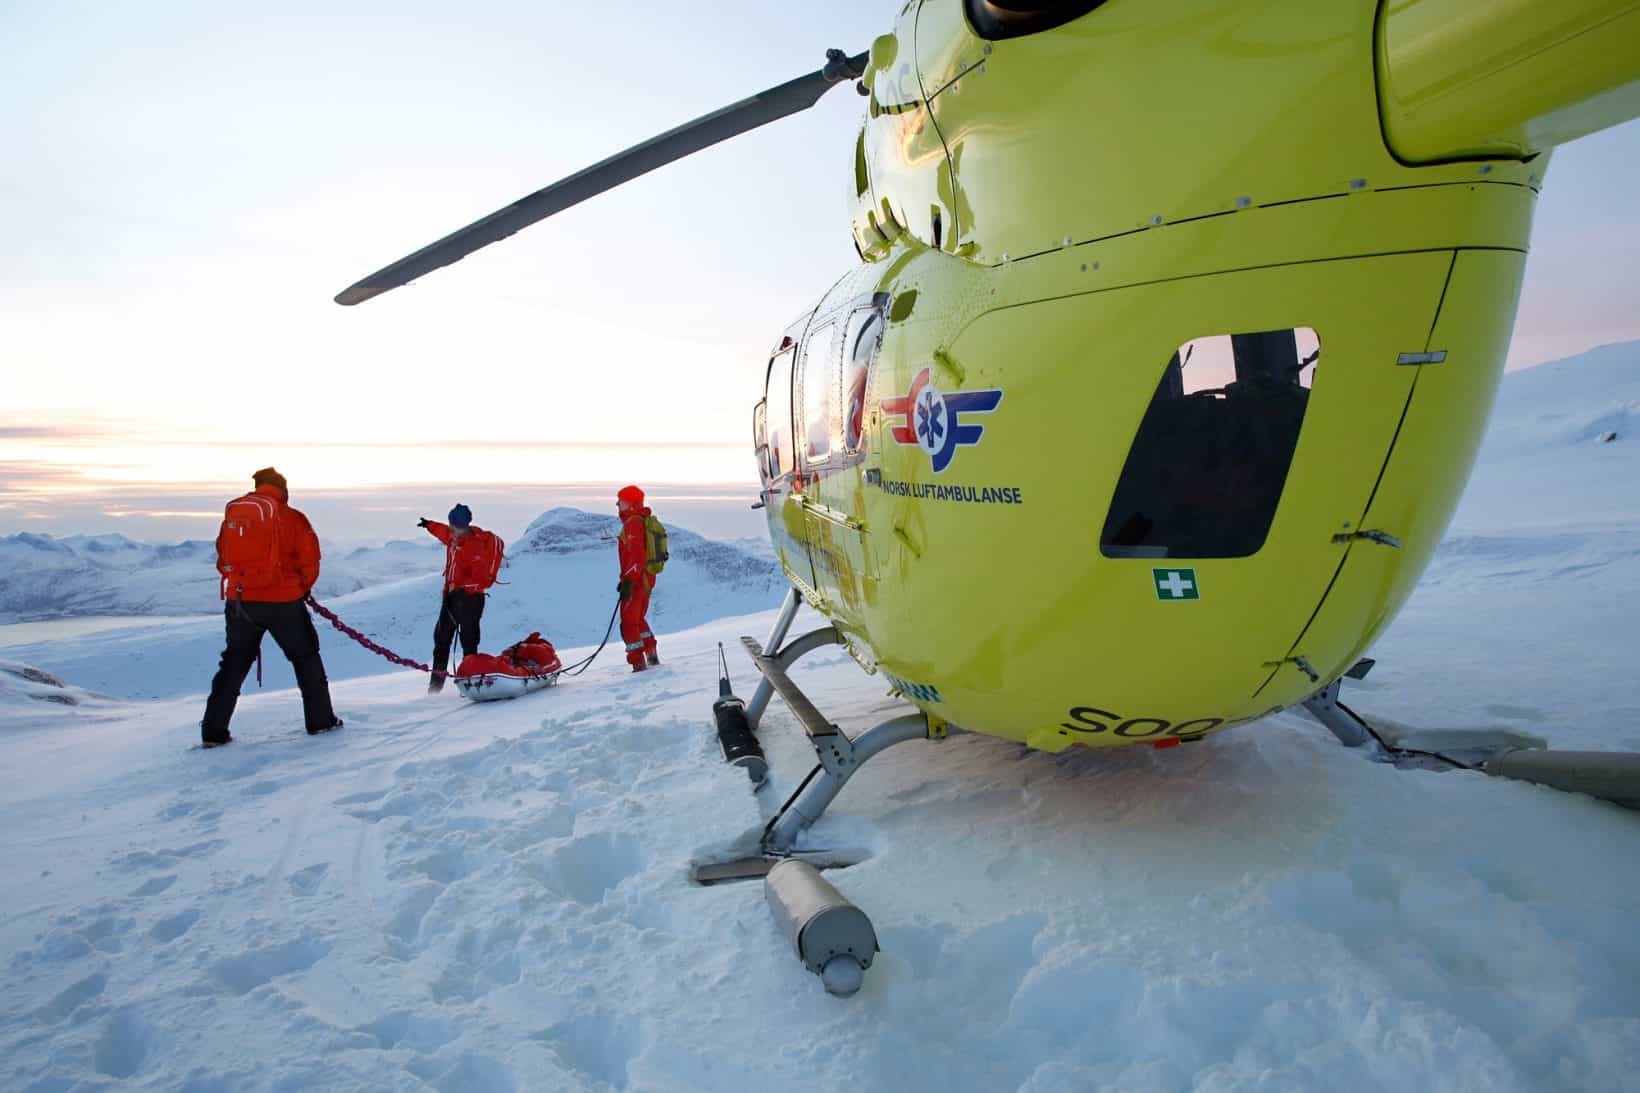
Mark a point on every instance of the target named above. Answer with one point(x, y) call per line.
point(269, 600)
point(468, 573)
point(636, 581)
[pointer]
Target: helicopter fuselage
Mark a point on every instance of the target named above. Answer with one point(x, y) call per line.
point(1165, 365)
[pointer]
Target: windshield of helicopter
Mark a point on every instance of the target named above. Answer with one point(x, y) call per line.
point(1210, 459)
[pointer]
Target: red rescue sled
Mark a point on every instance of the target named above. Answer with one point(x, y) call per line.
point(527, 666)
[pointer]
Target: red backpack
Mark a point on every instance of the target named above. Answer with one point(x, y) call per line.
point(247, 548)
point(488, 553)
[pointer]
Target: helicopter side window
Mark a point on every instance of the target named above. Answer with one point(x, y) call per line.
point(778, 415)
point(1211, 457)
point(819, 391)
point(861, 340)
point(760, 441)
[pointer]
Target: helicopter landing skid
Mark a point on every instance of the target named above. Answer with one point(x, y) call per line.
point(1501, 752)
point(807, 907)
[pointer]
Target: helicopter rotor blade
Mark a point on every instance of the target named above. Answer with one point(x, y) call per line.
point(778, 102)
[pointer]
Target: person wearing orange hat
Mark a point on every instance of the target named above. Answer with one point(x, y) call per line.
point(268, 557)
point(637, 578)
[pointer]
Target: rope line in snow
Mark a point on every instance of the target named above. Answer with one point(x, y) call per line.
point(582, 665)
point(379, 650)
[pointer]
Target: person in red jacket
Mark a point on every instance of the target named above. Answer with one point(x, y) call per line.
point(472, 556)
point(268, 557)
point(636, 581)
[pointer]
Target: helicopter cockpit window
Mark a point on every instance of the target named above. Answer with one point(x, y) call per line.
point(861, 340)
point(1211, 457)
point(819, 390)
point(778, 415)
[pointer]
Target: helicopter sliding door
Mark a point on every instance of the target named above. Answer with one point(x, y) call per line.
point(837, 358)
point(777, 465)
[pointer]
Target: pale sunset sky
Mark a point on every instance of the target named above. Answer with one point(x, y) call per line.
point(184, 186)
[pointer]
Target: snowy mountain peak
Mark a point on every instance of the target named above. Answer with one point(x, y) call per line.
point(568, 531)
point(27, 540)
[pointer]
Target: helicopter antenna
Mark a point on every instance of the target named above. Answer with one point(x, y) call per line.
point(778, 102)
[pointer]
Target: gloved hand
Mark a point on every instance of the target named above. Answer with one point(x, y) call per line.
point(422, 522)
point(625, 588)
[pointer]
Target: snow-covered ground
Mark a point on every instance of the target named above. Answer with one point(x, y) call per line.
point(455, 897)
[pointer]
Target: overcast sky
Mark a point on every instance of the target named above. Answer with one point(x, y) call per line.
point(183, 187)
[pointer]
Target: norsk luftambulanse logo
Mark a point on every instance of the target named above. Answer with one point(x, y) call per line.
point(933, 418)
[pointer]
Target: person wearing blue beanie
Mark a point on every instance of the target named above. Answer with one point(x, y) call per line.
point(472, 558)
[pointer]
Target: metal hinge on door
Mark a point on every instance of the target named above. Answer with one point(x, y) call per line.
point(1297, 662)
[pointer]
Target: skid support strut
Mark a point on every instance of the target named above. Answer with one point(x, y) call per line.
point(782, 623)
point(1341, 723)
point(838, 762)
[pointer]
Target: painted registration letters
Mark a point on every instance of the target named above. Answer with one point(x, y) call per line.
point(1091, 719)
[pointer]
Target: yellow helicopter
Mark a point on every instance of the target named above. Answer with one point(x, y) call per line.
point(1173, 339)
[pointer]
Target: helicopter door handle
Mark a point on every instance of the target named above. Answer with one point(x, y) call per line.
point(1382, 538)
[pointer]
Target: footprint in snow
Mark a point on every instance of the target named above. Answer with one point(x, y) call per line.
point(168, 929)
point(305, 882)
point(71, 998)
point(154, 886)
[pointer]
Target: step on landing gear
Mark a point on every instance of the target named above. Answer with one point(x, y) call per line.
point(832, 937)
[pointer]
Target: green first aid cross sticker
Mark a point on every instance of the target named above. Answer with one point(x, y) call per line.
point(1176, 584)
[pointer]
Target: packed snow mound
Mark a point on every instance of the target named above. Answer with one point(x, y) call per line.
point(20, 682)
point(42, 577)
point(559, 579)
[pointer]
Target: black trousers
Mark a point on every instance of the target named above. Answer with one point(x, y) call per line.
point(292, 628)
point(460, 615)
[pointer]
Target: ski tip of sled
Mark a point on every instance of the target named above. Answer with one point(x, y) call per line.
point(757, 866)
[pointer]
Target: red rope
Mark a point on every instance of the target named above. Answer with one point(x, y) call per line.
point(364, 641)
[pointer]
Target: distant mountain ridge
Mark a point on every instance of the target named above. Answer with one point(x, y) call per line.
point(43, 577)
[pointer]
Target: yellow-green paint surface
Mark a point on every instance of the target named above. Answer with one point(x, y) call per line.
point(1053, 216)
